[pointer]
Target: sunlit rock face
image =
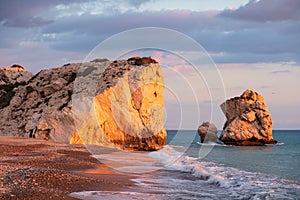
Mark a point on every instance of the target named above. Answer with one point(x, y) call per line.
point(128, 108)
point(120, 105)
point(248, 120)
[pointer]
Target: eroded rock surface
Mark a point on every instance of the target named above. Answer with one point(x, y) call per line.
point(11, 78)
point(208, 132)
point(128, 108)
point(41, 105)
point(120, 103)
point(248, 120)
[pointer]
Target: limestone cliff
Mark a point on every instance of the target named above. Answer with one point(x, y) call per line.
point(124, 104)
point(128, 108)
point(248, 120)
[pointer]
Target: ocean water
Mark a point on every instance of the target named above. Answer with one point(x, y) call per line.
point(186, 169)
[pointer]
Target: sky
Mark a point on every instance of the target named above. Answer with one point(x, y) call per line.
point(253, 44)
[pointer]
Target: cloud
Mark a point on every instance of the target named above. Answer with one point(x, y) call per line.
point(181, 20)
point(15, 13)
point(266, 10)
point(26, 22)
point(252, 42)
point(137, 3)
point(43, 56)
point(280, 71)
point(27, 14)
point(185, 69)
point(73, 26)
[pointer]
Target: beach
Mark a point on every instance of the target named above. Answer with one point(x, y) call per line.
point(38, 169)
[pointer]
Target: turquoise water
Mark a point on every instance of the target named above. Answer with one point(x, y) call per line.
point(282, 159)
point(187, 169)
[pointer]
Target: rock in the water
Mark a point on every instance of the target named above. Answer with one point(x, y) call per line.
point(126, 105)
point(248, 120)
point(208, 132)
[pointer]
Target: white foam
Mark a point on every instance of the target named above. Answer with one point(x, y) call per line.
point(212, 144)
point(141, 162)
point(192, 177)
point(277, 144)
point(167, 155)
point(110, 195)
point(130, 162)
point(237, 183)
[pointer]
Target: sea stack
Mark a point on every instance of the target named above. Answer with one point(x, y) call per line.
point(208, 132)
point(249, 122)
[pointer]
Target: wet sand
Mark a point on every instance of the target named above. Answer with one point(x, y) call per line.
point(37, 169)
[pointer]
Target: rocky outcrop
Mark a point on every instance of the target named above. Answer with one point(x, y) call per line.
point(119, 103)
point(14, 74)
point(128, 108)
point(208, 132)
point(11, 78)
point(41, 106)
point(141, 61)
point(248, 120)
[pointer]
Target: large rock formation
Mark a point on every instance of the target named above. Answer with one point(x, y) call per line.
point(122, 103)
point(248, 120)
point(41, 105)
point(208, 132)
point(128, 108)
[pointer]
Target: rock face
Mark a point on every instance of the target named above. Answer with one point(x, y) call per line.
point(124, 104)
point(248, 120)
point(208, 132)
point(11, 78)
point(41, 105)
point(128, 108)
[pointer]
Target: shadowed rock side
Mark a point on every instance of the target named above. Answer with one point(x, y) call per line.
point(208, 133)
point(128, 108)
point(11, 78)
point(41, 106)
point(248, 121)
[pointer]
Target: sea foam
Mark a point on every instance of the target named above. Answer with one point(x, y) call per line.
point(178, 176)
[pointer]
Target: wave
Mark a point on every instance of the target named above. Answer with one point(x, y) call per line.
point(277, 144)
point(237, 183)
point(179, 176)
point(212, 144)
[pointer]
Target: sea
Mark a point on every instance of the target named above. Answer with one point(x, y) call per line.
point(187, 169)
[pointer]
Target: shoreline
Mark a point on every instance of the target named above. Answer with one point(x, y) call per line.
point(35, 169)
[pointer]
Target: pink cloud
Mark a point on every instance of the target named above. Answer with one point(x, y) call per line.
point(184, 69)
point(232, 66)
